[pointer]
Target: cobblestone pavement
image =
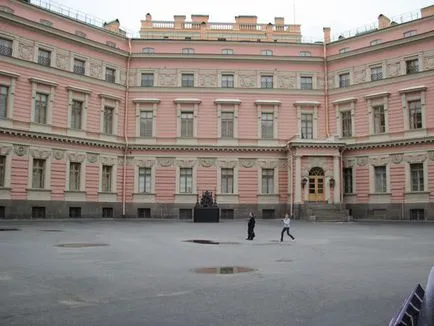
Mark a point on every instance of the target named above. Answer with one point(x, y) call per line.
point(333, 274)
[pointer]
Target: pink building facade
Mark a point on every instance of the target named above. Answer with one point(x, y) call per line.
point(94, 123)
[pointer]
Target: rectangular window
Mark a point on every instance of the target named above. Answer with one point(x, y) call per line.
point(306, 82)
point(306, 126)
point(38, 212)
point(347, 125)
point(268, 214)
point(2, 170)
point(379, 119)
point(5, 47)
point(348, 180)
point(227, 181)
point(344, 80)
point(143, 212)
point(106, 182)
point(108, 120)
point(74, 212)
point(187, 80)
point(145, 180)
point(228, 81)
point(227, 121)
point(267, 125)
point(41, 107)
point(38, 174)
point(415, 114)
point(185, 214)
point(2, 212)
point(412, 66)
point(147, 79)
point(74, 176)
point(267, 181)
point(417, 214)
point(4, 91)
point(376, 73)
point(110, 75)
point(79, 67)
point(44, 57)
point(187, 121)
point(417, 179)
point(146, 123)
point(76, 112)
point(380, 179)
point(266, 81)
point(186, 180)
point(227, 214)
point(107, 212)
point(410, 33)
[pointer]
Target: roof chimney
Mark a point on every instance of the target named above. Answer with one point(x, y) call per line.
point(113, 25)
point(383, 21)
point(427, 11)
point(326, 31)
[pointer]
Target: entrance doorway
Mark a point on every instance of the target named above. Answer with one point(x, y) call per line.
point(316, 184)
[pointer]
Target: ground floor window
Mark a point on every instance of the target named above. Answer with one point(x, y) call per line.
point(268, 213)
point(144, 213)
point(75, 212)
point(38, 212)
point(185, 214)
point(227, 214)
point(417, 214)
point(107, 212)
point(2, 212)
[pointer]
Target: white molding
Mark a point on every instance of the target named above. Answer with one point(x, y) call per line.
point(47, 174)
point(193, 184)
point(86, 60)
point(77, 94)
point(110, 97)
point(309, 109)
point(310, 74)
point(270, 107)
point(408, 188)
point(153, 179)
point(227, 101)
point(149, 106)
point(376, 100)
point(219, 182)
point(78, 89)
point(188, 72)
point(372, 180)
point(349, 105)
point(113, 103)
point(7, 122)
point(155, 72)
point(116, 68)
point(413, 89)
point(306, 103)
point(275, 180)
point(82, 173)
point(39, 45)
point(220, 73)
point(8, 171)
point(187, 101)
point(43, 82)
point(268, 102)
point(9, 74)
point(49, 114)
point(179, 109)
point(345, 100)
point(146, 100)
point(376, 95)
point(112, 161)
point(227, 107)
point(419, 93)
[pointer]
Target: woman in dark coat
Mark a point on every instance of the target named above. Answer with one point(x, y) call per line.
point(251, 227)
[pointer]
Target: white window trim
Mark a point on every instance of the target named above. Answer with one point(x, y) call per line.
point(190, 72)
point(148, 71)
point(408, 188)
point(47, 172)
point(114, 102)
point(43, 46)
point(117, 70)
point(219, 181)
point(341, 72)
point(14, 40)
point(374, 100)
point(410, 94)
point(266, 106)
point(86, 63)
point(353, 181)
point(418, 56)
point(307, 74)
point(51, 93)
point(153, 179)
point(227, 105)
point(275, 180)
point(307, 107)
point(191, 105)
point(220, 73)
point(372, 179)
point(194, 181)
point(80, 94)
point(8, 170)
point(347, 105)
point(76, 158)
point(381, 64)
point(139, 108)
point(264, 74)
point(113, 163)
point(5, 122)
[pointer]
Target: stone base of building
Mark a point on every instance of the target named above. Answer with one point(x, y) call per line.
point(408, 211)
point(27, 209)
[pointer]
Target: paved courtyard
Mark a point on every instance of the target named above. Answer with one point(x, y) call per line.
point(333, 274)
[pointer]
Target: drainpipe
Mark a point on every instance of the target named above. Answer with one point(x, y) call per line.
point(326, 88)
point(341, 192)
point(127, 85)
point(292, 182)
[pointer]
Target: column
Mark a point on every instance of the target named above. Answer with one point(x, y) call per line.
point(337, 176)
point(297, 185)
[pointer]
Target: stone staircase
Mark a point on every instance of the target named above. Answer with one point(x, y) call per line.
point(325, 212)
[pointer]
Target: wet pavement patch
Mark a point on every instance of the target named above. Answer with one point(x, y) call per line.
point(9, 229)
point(223, 270)
point(81, 245)
point(203, 242)
point(51, 230)
point(284, 260)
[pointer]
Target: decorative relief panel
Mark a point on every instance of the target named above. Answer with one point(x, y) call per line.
point(166, 162)
point(145, 163)
point(185, 163)
point(133, 77)
point(92, 157)
point(123, 77)
point(417, 158)
point(108, 160)
point(283, 164)
point(396, 158)
point(40, 154)
point(21, 150)
point(349, 162)
point(265, 164)
point(362, 161)
point(76, 157)
point(228, 164)
point(62, 59)
point(25, 50)
point(286, 80)
point(379, 160)
point(247, 79)
point(5, 150)
point(431, 155)
point(359, 75)
point(168, 78)
point(248, 162)
point(95, 68)
point(208, 79)
point(58, 154)
point(393, 69)
point(207, 162)
point(428, 62)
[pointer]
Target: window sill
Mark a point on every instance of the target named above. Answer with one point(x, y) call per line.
point(144, 197)
point(107, 196)
point(186, 141)
point(186, 198)
point(268, 198)
point(76, 132)
point(421, 132)
point(40, 127)
point(146, 140)
point(227, 198)
point(75, 195)
point(38, 194)
point(268, 141)
point(380, 197)
point(417, 197)
point(6, 122)
point(5, 193)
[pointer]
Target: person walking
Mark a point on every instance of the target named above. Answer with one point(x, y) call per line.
point(286, 226)
point(251, 227)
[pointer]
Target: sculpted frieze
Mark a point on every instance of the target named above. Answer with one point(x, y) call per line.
point(208, 79)
point(168, 78)
point(247, 79)
point(431, 155)
point(286, 80)
point(25, 50)
point(416, 158)
point(362, 161)
point(267, 164)
point(145, 163)
point(92, 158)
point(379, 160)
point(108, 160)
point(393, 69)
point(207, 162)
point(185, 163)
point(95, 68)
point(62, 59)
point(359, 75)
point(40, 154)
point(428, 62)
point(166, 162)
point(20, 150)
point(397, 158)
point(5, 150)
point(58, 154)
point(315, 162)
point(76, 157)
point(248, 162)
point(228, 164)
point(349, 162)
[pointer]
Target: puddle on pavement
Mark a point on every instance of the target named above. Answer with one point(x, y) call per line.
point(223, 270)
point(202, 241)
point(9, 229)
point(81, 245)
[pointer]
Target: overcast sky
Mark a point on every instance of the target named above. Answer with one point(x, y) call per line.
point(313, 15)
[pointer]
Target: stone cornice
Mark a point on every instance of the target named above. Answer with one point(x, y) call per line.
point(110, 97)
point(146, 100)
point(377, 95)
point(208, 148)
point(8, 74)
point(391, 143)
point(412, 89)
point(344, 100)
point(78, 89)
point(43, 81)
point(187, 101)
point(313, 144)
point(307, 103)
point(227, 101)
point(267, 102)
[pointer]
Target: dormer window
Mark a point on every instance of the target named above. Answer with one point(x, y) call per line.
point(344, 50)
point(148, 50)
point(375, 42)
point(305, 54)
point(267, 52)
point(187, 51)
point(228, 51)
point(410, 33)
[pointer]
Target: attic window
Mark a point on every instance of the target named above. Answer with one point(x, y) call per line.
point(267, 52)
point(228, 51)
point(110, 43)
point(375, 42)
point(148, 50)
point(410, 33)
point(187, 51)
point(45, 22)
point(81, 34)
point(305, 54)
point(343, 50)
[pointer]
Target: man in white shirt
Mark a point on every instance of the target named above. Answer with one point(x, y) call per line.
point(286, 226)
